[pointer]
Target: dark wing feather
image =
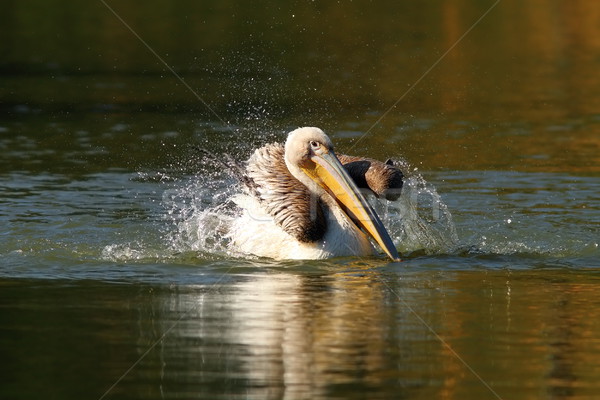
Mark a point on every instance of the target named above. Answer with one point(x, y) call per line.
point(284, 197)
point(383, 179)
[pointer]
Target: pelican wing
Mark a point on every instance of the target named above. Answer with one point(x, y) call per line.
point(284, 197)
point(383, 179)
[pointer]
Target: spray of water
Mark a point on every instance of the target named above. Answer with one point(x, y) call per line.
point(201, 211)
point(419, 220)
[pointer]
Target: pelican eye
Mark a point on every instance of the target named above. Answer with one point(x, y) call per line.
point(314, 144)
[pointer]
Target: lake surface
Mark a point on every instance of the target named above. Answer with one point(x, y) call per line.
point(115, 278)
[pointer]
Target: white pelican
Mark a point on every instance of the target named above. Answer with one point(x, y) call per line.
point(300, 202)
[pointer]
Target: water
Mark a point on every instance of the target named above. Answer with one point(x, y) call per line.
point(116, 280)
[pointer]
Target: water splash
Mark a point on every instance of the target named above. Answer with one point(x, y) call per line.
point(201, 211)
point(419, 220)
point(131, 251)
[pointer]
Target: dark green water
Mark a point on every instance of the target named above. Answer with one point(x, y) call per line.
point(114, 282)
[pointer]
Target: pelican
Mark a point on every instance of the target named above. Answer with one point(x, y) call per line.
point(301, 201)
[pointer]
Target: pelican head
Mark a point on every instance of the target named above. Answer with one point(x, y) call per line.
point(310, 158)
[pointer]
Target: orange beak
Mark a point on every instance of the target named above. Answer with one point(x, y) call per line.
point(330, 174)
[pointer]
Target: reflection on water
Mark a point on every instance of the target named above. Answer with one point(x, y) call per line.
point(393, 332)
point(360, 331)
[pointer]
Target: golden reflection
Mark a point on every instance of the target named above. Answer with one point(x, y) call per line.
point(544, 340)
point(456, 335)
point(295, 335)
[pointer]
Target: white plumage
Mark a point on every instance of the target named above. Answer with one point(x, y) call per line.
point(255, 232)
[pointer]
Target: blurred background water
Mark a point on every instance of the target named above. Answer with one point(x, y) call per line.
point(114, 282)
